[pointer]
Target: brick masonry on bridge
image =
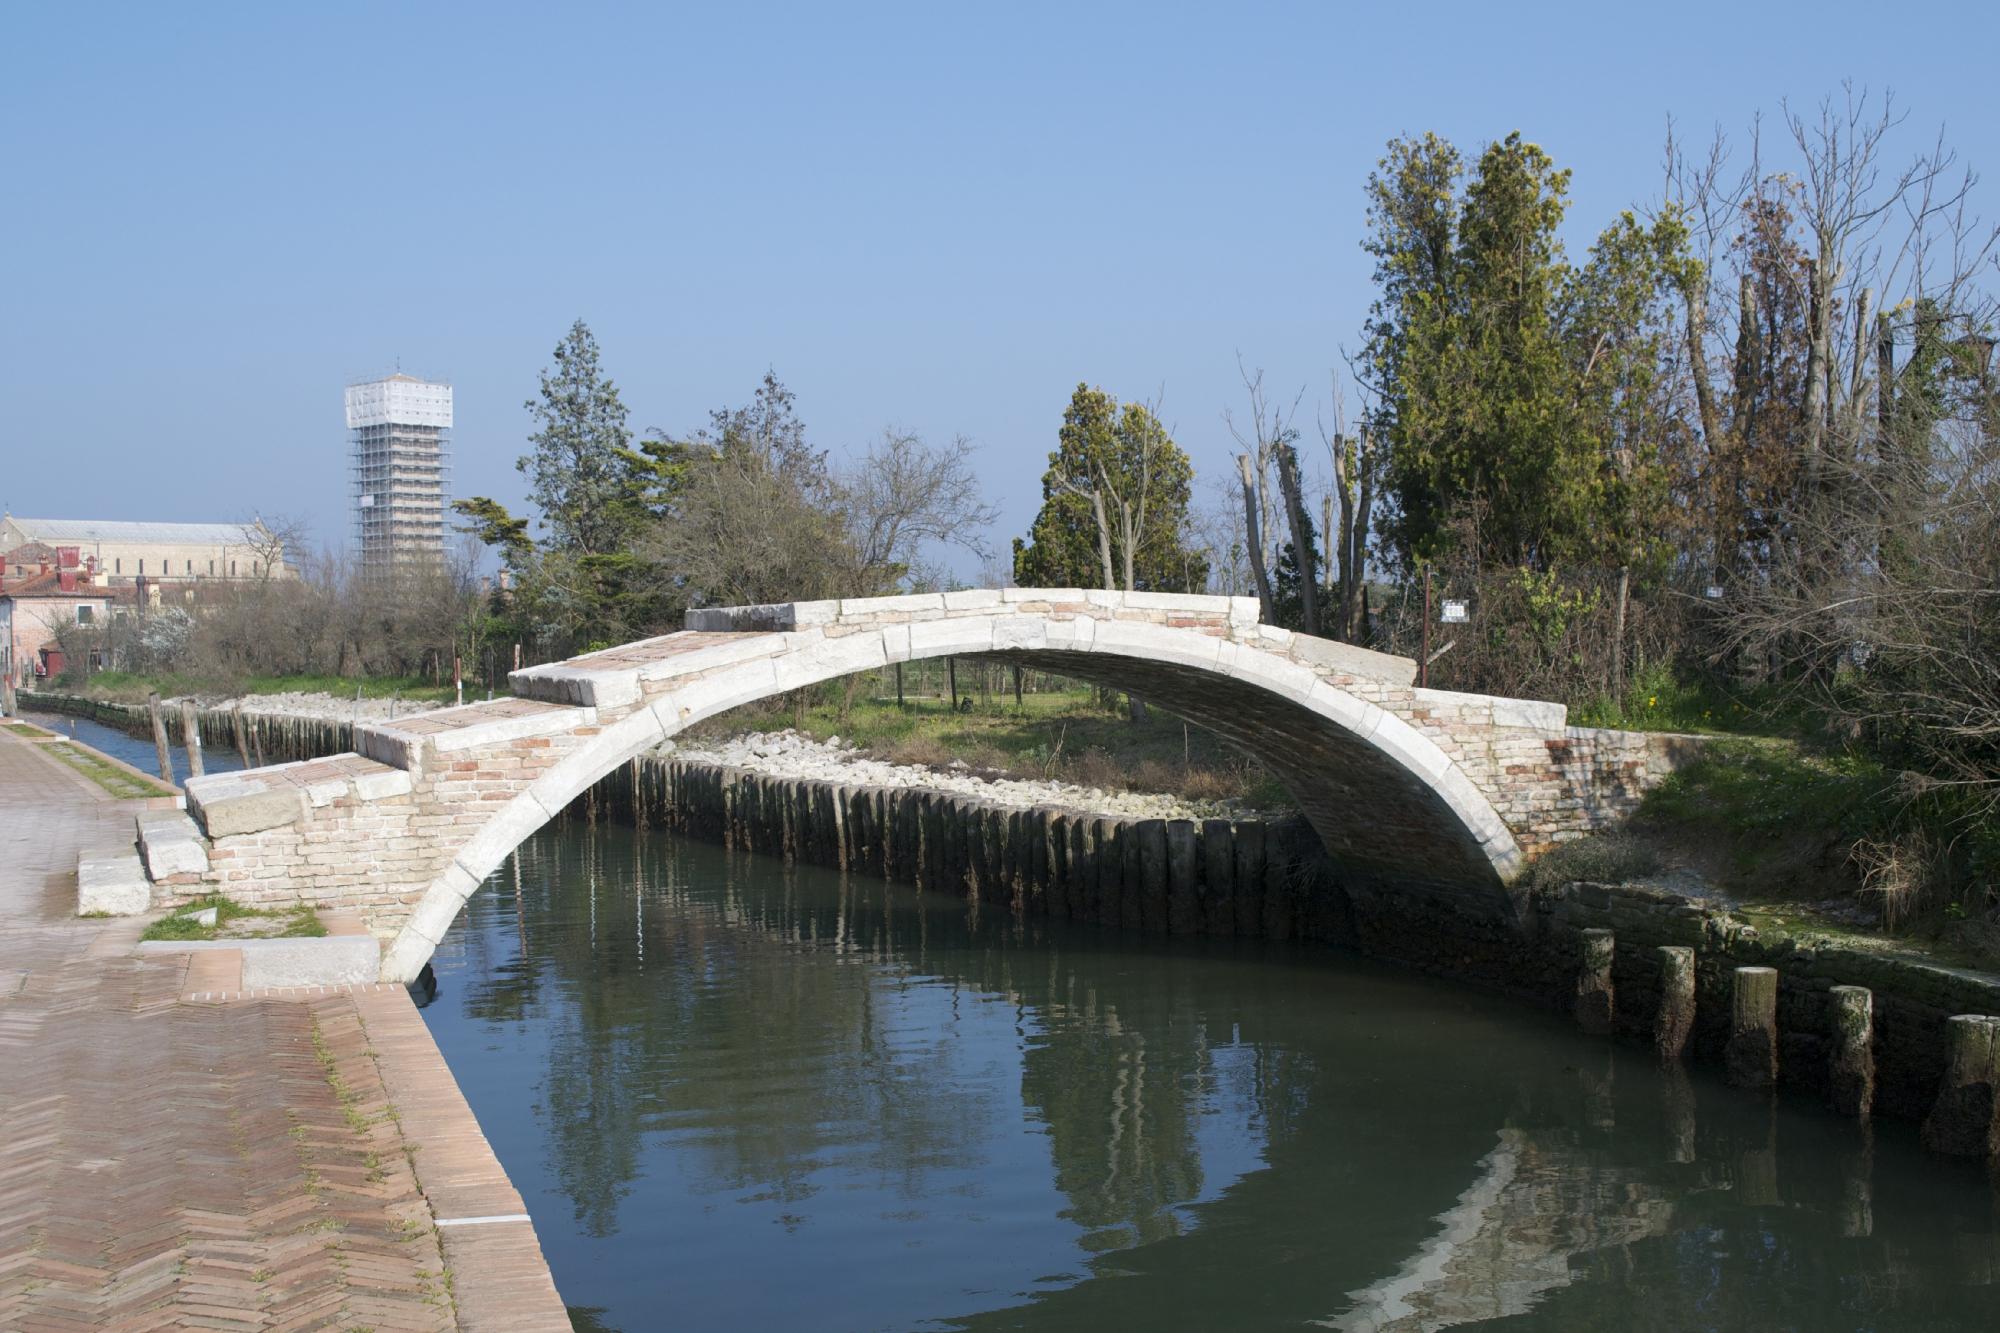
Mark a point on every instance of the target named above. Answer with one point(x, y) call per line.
point(1403, 784)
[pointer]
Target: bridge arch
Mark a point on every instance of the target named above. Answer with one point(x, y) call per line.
point(1388, 800)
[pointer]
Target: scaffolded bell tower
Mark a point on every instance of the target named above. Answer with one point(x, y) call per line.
point(399, 432)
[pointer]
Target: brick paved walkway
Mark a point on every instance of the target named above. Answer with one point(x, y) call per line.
point(173, 1164)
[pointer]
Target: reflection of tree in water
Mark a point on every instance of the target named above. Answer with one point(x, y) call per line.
point(717, 1018)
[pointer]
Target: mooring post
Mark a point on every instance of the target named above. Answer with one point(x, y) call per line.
point(7, 701)
point(236, 730)
point(161, 749)
point(191, 737)
point(1851, 1071)
point(1675, 1018)
point(1595, 1007)
point(1751, 1057)
point(1964, 1121)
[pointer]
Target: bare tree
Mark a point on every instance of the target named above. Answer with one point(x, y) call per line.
point(1267, 444)
point(906, 495)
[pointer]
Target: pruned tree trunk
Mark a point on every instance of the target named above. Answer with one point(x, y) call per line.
point(1302, 548)
point(1253, 539)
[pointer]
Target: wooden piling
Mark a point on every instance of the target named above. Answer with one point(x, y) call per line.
point(239, 730)
point(1675, 1017)
point(191, 737)
point(1248, 839)
point(1183, 878)
point(1851, 1065)
point(1750, 1059)
point(1111, 837)
point(162, 751)
point(1218, 878)
point(1965, 1121)
point(1152, 876)
point(1595, 1004)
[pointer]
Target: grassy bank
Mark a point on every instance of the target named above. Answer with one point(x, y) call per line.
point(109, 776)
point(133, 687)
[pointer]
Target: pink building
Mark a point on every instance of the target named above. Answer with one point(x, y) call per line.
point(44, 590)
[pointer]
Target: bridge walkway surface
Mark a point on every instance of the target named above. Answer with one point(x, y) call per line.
point(276, 1160)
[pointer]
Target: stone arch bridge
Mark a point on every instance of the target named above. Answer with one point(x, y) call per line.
point(1406, 787)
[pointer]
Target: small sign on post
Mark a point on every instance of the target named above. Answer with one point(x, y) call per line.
point(1714, 592)
point(1454, 613)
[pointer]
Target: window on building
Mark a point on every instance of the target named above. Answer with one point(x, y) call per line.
point(190, 566)
point(142, 564)
point(256, 566)
point(232, 569)
point(211, 566)
point(86, 614)
point(118, 566)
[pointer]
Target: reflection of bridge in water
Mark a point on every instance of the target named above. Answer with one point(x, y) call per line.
point(1251, 1131)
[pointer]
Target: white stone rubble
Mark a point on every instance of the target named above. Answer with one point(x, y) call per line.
point(788, 754)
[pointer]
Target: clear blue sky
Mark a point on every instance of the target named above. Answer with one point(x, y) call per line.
point(928, 215)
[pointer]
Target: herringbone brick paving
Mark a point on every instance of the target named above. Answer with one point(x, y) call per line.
point(180, 1165)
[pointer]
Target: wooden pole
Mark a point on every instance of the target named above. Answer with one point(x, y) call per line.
point(8, 705)
point(191, 737)
point(458, 677)
point(951, 676)
point(236, 729)
point(1424, 662)
point(899, 684)
point(161, 748)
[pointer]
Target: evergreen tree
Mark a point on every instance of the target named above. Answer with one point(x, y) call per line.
point(1114, 504)
point(576, 470)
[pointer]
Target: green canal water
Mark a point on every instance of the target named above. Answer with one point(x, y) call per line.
point(741, 1095)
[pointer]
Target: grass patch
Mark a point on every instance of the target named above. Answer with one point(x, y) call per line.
point(290, 923)
point(133, 687)
point(1069, 736)
point(1658, 699)
point(27, 729)
point(109, 776)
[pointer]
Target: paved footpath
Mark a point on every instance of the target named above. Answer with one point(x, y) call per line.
point(273, 1161)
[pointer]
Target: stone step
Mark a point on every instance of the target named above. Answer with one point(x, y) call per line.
point(405, 742)
point(171, 844)
point(256, 799)
point(112, 882)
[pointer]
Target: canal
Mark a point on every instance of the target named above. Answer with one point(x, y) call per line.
point(743, 1095)
point(135, 750)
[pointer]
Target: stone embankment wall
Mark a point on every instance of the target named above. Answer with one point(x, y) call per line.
point(1270, 880)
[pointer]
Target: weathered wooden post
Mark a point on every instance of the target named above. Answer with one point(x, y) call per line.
point(1595, 1005)
point(191, 737)
point(1751, 1057)
point(1851, 1071)
point(1183, 878)
point(1675, 1018)
point(1248, 872)
point(161, 749)
point(8, 705)
point(1963, 1120)
point(236, 729)
point(1146, 876)
point(1112, 835)
point(1218, 878)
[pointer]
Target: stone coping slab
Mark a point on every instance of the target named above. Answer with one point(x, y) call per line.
point(255, 799)
point(403, 743)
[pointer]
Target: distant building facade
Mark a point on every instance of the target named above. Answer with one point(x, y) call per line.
point(399, 438)
point(44, 590)
point(116, 553)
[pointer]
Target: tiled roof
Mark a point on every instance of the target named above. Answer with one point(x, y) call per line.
point(117, 530)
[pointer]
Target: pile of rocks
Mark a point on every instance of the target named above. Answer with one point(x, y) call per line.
point(787, 754)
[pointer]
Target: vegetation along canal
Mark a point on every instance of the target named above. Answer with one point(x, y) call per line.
point(738, 1094)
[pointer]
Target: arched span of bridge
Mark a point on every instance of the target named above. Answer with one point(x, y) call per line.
point(1388, 802)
